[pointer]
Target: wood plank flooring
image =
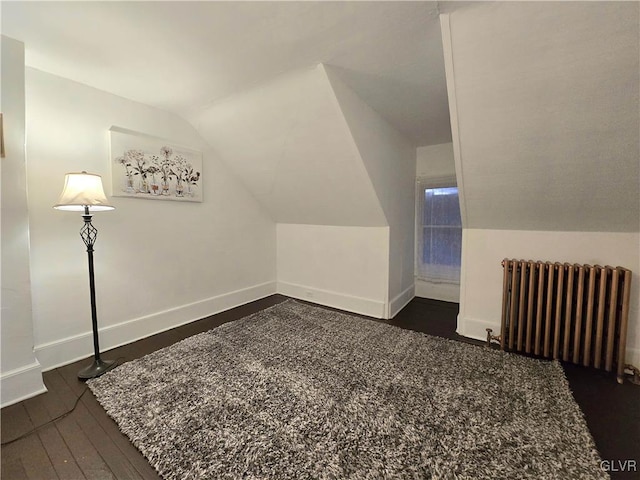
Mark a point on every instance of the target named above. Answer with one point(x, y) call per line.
point(87, 444)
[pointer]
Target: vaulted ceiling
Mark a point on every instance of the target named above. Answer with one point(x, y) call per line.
point(289, 144)
point(184, 56)
point(547, 93)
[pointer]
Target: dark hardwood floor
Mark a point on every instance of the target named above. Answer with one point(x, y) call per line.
point(87, 443)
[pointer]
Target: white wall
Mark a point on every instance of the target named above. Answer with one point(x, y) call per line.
point(546, 102)
point(318, 158)
point(21, 373)
point(286, 140)
point(544, 107)
point(436, 162)
point(158, 263)
point(342, 267)
point(390, 161)
point(481, 277)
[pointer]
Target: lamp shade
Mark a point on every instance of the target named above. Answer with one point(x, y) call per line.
point(80, 190)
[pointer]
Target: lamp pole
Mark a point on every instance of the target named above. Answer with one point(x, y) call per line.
point(89, 233)
point(83, 192)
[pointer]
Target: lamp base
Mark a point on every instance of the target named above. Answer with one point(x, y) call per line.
point(97, 368)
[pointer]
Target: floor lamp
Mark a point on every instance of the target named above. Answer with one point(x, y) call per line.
point(83, 192)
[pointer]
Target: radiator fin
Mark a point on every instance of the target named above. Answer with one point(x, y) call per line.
point(575, 313)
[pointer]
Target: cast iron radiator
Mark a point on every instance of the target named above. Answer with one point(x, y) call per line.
point(574, 313)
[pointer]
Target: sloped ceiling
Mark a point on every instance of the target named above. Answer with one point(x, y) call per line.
point(290, 145)
point(181, 56)
point(388, 158)
point(548, 114)
point(547, 93)
point(390, 162)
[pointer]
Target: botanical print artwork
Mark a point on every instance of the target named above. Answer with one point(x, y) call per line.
point(149, 167)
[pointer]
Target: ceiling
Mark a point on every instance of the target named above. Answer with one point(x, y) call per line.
point(184, 56)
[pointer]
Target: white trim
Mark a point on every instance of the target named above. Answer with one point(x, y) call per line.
point(401, 300)
point(633, 356)
point(21, 383)
point(447, 292)
point(350, 303)
point(449, 69)
point(463, 282)
point(475, 328)
point(425, 181)
point(428, 272)
point(68, 350)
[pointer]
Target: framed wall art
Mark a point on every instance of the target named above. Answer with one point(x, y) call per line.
point(144, 166)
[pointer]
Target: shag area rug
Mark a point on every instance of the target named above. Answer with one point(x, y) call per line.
point(301, 392)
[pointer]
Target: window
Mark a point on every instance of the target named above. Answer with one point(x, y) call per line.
point(439, 231)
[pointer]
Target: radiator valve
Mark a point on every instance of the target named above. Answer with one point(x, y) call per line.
point(635, 372)
point(491, 337)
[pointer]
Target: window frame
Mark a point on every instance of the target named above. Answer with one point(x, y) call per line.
point(423, 183)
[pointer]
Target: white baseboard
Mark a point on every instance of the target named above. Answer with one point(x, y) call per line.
point(446, 292)
point(68, 350)
point(350, 303)
point(476, 329)
point(21, 383)
point(633, 356)
point(400, 301)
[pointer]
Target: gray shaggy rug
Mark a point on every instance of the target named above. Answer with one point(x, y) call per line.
point(301, 392)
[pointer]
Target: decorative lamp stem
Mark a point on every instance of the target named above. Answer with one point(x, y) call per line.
point(89, 233)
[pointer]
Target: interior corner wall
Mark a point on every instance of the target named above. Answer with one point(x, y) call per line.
point(436, 162)
point(483, 250)
point(549, 165)
point(158, 264)
point(390, 160)
point(287, 141)
point(544, 99)
point(338, 266)
point(21, 374)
